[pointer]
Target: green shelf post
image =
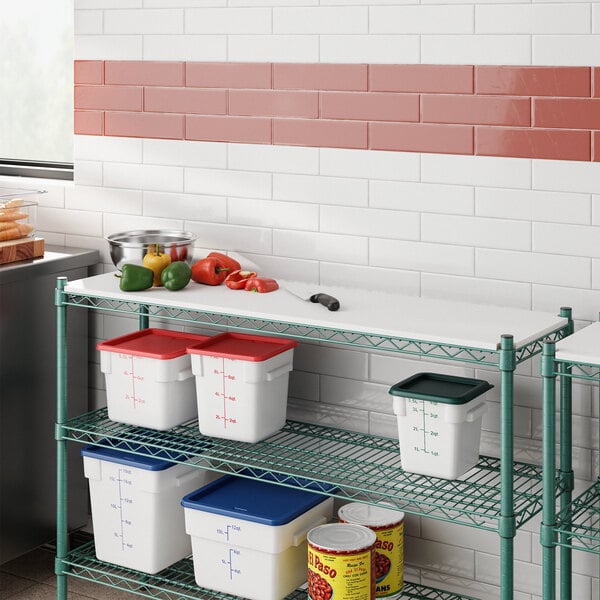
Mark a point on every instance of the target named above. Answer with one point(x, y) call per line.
point(547, 533)
point(144, 319)
point(61, 442)
point(566, 465)
point(507, 525)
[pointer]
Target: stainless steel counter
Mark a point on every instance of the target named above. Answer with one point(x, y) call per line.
point(28, 397)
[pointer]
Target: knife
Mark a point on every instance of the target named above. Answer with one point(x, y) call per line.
point(327, 300)
point(330, 302)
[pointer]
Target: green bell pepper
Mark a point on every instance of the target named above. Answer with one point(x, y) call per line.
point(135, 278)
point(176, 276)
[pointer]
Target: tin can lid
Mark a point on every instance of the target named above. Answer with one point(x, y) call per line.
point(369, 515)
point(341, 537)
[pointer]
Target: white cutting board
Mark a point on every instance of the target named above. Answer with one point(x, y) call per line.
point(378, 313)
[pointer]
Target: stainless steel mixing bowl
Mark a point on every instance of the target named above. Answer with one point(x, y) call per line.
point(131, 246)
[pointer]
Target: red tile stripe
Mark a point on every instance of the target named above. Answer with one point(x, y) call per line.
point(514, 111)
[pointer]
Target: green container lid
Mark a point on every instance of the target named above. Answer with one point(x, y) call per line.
point(440, 388)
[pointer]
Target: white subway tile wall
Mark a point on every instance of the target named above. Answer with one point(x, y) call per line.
point(467, 228)
point(505, 231)
point(404, 31)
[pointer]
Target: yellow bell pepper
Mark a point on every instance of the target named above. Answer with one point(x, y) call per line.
point(157, 261)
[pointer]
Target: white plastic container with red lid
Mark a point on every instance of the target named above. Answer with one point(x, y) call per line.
point(242, 385)
point(149, 379)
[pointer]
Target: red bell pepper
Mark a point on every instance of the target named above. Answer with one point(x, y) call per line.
point(225, 261)
point(209, 271)
point(236, 280)
point(261, 285)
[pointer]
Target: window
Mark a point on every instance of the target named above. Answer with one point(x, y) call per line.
point(36, 88)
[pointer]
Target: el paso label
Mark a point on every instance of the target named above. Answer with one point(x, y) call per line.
point(389, 560)
point(388, 525)
point(341, 562)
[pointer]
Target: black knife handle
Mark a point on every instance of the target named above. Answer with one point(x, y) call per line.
point(326, 300)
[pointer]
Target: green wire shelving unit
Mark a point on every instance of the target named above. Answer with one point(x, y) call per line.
point(498, 494)
point(575, 523)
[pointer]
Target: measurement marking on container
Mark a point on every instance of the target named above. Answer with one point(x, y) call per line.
point(427, 417)
point(131, 373)
point(223, 394)
point(124, 500)
point(228, 562)
point(229, 529)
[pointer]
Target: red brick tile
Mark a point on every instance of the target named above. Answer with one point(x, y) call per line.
point(144, 125)
point(319, 132)
point(369, 106)
point(442, 79)
point(144, 72)
point(108, 97)
point(566, 113)
point(532, 143)
point(88, 122)
point(252, 130)
point(88, 72)
point(475, 110)
point(320, 76)
point(596, 82)
point(228, 75)
point(596, 146)
point(421, 137)
point(185, 100)
point(274, 103)
point(532, 81)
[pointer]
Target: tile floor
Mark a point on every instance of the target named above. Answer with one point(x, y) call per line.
point(31, 577)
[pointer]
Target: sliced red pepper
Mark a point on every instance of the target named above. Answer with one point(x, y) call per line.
point(178, 253)
point(262, 285)
point(225, 261)
point(236, 280)
point(209, 271)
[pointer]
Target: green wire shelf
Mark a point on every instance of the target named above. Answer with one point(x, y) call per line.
point(177, 581)
point(578, 370)
point(358, 339)
point(362, 467)
point(579, 525)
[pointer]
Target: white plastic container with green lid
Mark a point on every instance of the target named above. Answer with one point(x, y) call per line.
point(388, 525)
point(439, 423)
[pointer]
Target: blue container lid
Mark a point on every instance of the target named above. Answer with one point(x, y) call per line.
point(252, 500)
point(145, 460)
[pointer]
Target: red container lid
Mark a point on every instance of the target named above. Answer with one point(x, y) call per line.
point(152, 343)
point(241, 346)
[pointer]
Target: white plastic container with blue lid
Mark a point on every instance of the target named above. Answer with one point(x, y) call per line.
point(249, 536)
point(136, 506)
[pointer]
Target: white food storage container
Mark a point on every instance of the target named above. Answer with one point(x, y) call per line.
point(136, 507)
point(439, 423)
point(242, 385)
point(149, 379)
point(249, 536)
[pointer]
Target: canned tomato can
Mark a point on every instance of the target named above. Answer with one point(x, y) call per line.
point(341, 562)
point(388, 526)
